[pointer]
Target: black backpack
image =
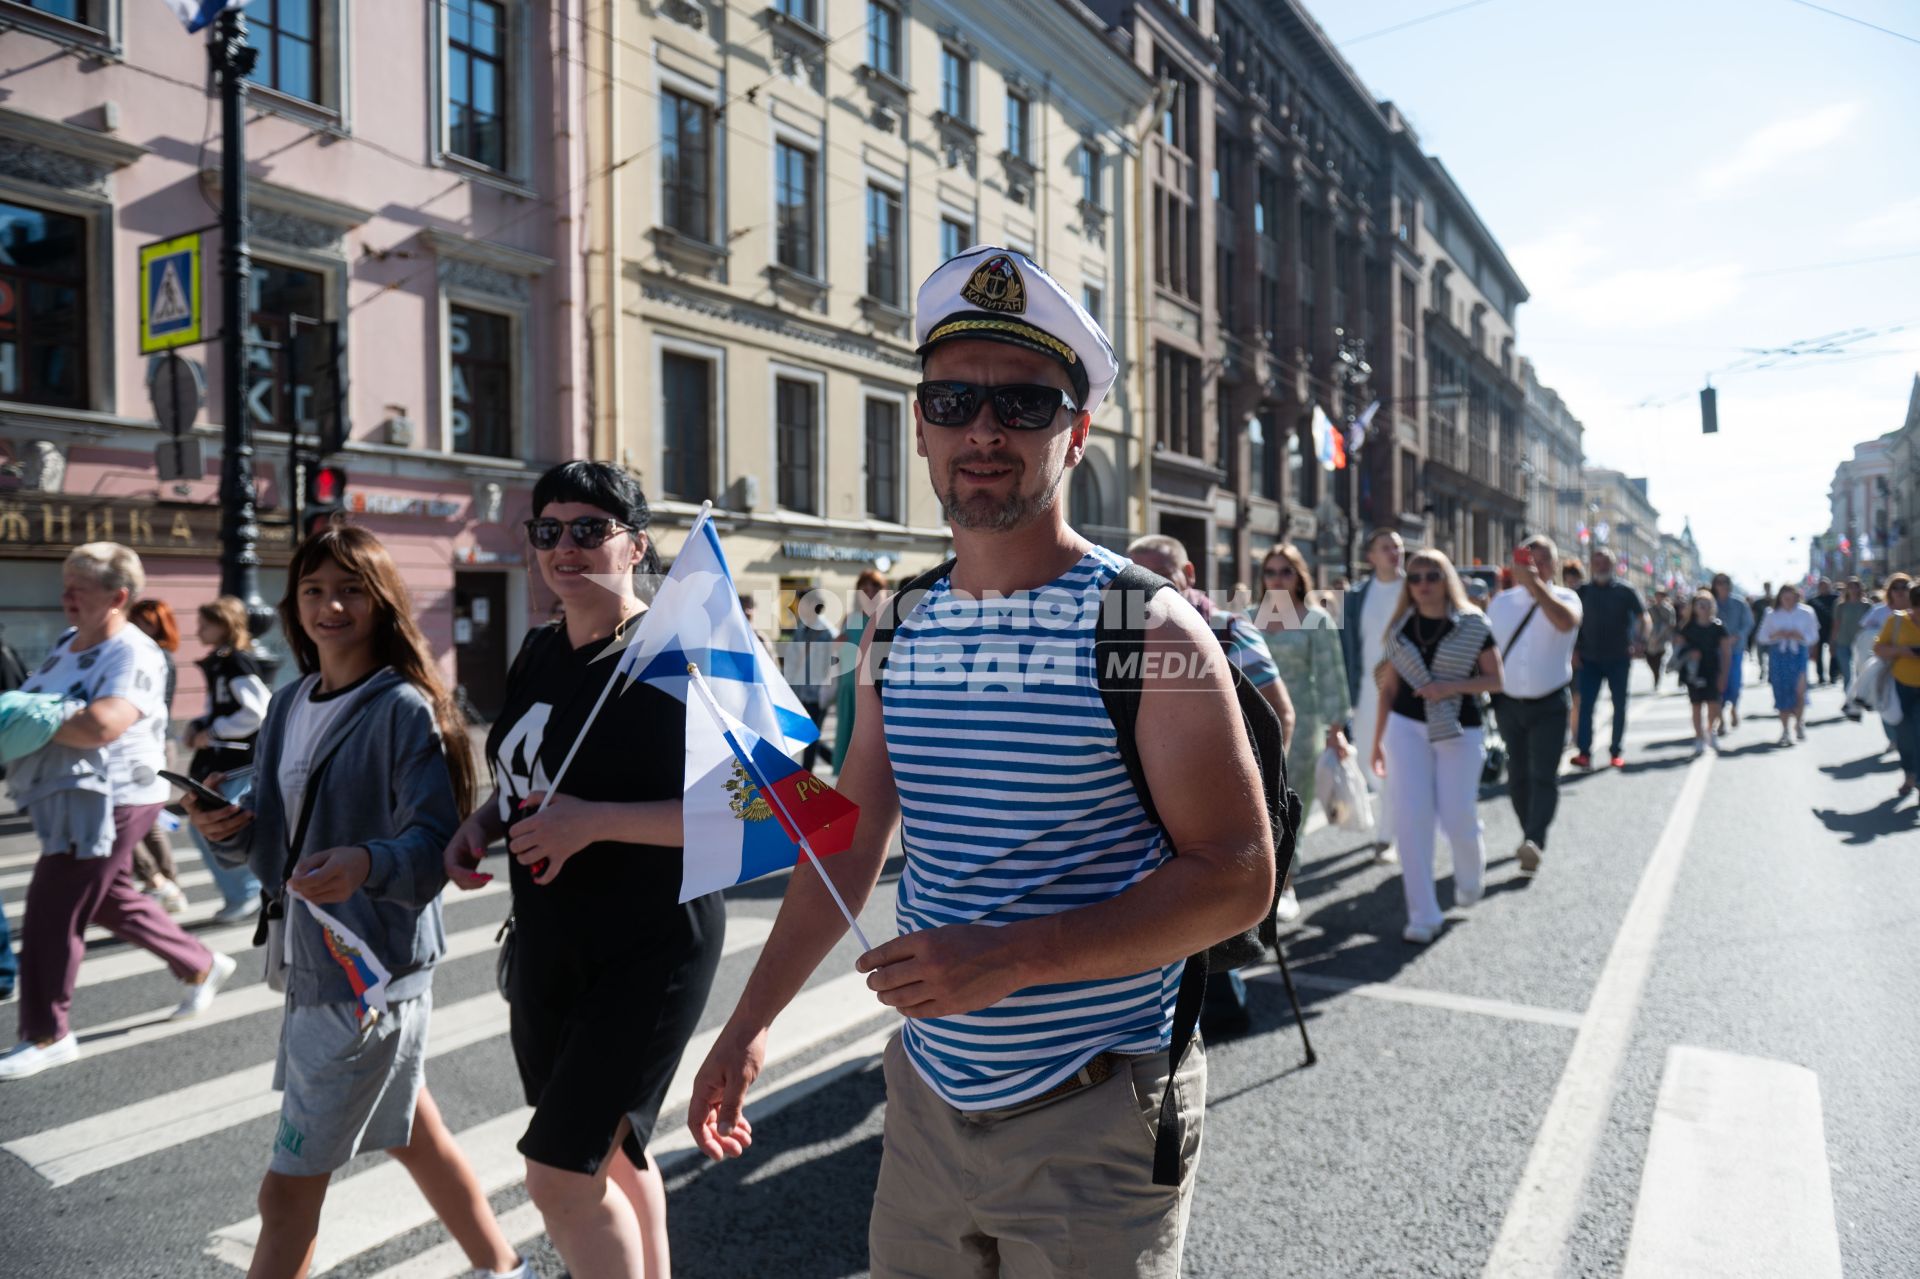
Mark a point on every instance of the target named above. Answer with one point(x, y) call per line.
point(1119, 644)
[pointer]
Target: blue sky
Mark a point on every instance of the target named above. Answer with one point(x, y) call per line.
point(1643, 164)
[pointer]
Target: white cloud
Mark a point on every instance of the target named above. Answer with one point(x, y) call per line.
point(1571, 277)
point(1895, 227)
point(1774, 144)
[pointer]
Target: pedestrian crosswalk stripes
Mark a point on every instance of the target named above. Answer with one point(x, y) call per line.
point(369, 1208)
point(145, 1127)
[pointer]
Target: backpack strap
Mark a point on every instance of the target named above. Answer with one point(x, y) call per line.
point(893, 608)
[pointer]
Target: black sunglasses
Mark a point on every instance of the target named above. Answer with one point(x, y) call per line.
point(590, 532)
point(1429, 578)
point(1018, 406)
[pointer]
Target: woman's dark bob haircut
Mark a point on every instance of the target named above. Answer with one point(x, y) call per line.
point(610, 488)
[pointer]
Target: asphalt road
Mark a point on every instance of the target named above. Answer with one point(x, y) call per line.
point(1485, 1105)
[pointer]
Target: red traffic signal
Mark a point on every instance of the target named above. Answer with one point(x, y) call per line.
point(326, 486)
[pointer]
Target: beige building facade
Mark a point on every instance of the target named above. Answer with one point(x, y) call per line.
point(780, 181)
point(1621, 518)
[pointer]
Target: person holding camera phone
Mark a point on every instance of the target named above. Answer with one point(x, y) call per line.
point(1535, 624)
point(352, 1080)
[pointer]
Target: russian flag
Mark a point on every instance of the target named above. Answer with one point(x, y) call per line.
point(1327, 441)
point(696, 617)
point(196, 14)
point(365, 973)
point(747, 805)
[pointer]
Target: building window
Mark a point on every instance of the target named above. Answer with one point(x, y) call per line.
point(480, 381)
point(1177, 126)
point(477, 81)
point(287, 34)
point(798, 10)
point(1409, 481)
point(1086, 504)
point(883, 245)
point(955, 237)
point(794, 187)
point(1019, 127)
point(796, 414)
point(687, 426)
point(686, 165)
point(1262, 481)
point(956, 97)
point(883, 38)
point(1297, 469)
point(287, 346)
point(883, 460)
point(1095, 303)
point(43, 307)
point(1177, 402)
point(85, 13)
point(1087, 167)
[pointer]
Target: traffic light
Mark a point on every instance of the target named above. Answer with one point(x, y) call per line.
point(1709, 411)
point(326, 497)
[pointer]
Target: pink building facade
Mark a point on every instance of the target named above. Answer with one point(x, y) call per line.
point(416, 226)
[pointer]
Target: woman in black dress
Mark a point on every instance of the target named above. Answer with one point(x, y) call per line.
point(610, 972)
point(1703, 655)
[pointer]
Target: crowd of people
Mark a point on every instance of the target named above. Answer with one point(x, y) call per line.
point(1044, 922)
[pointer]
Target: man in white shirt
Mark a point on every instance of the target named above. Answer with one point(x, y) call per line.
point(1367, 609)
point(1535, 624)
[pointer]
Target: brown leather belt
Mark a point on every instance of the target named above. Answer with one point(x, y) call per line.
point(1098, 1070)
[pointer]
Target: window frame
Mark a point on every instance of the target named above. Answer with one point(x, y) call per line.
point(520, 371)
point(903, 417)
point(896, 65)
point(1093, 300)
point(1019, 144)
point(95, 294)
point(715, 357)
point(816, 212)
point(333, 280)
point(107, 35)
point(898, 236)
point(1090, 163)
point(953, 58)
point(518, 119)
point(816, 381)
point(673, 86)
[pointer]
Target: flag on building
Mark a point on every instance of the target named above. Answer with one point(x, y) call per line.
point(365, 973)
point(196, 14)
point(747, 805)
point(1357, 433)
point(696, 617)
point(1328, 444)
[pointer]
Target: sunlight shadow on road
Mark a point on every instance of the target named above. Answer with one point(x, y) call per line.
point(1865, 827)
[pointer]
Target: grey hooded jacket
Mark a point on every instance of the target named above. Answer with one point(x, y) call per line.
point(385, 787)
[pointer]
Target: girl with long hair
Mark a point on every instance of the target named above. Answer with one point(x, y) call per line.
point(610, 970)
point(371, 721)
point(1305, 646)
point(1429, 737)
point(221, 738)
point(153, 866)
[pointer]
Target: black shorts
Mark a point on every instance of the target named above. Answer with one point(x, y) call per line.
point(598, 1036)
point(1706, 692)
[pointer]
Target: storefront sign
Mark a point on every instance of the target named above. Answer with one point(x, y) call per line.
point(47, 528)
point(834, 554)
point(389, 504)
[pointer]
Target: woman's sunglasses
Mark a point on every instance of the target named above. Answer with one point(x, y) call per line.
point(590, 532)
point(1427, 578)
point(1018, 406)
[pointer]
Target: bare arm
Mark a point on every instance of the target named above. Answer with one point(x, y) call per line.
point(100, 723)
point(1557, 614)
point(1389, 689)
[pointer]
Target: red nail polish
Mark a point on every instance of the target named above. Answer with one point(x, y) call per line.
point(485, 879)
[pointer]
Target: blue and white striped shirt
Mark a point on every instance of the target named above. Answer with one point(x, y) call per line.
point(1015, 804)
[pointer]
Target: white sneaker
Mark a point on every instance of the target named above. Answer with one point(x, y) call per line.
point(524, 1270)
point(1287, 909)
point(1800, 732)
point(200, 998)
point(30, 1058)
point(1384, 854)
point(1529, 856)
point(1465, 900)
point(1417, 935)
point(1786, 738)
point(172, 898)
point(238, 911)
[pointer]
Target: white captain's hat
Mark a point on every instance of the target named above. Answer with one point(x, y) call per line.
point(992, 294)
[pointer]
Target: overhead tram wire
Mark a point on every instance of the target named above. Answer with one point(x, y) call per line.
point(1847, 17)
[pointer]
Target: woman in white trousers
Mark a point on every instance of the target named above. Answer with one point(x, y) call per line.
point(1428, 735)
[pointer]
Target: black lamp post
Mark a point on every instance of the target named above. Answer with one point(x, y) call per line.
point(1353, 373)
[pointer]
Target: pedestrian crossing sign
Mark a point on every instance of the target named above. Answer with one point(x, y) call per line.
point(171, 304)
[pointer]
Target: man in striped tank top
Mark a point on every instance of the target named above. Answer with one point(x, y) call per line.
point(1043, 920)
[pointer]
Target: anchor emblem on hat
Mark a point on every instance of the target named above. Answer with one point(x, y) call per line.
point(995, 285)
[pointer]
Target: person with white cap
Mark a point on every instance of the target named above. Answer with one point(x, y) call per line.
point(1043, 919)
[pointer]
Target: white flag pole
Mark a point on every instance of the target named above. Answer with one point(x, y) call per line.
point(553, 786)
point(707, 699)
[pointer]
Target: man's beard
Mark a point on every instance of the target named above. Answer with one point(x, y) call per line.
point(986, 514)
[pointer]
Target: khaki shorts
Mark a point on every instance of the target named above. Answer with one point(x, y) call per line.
point(1063, 1187)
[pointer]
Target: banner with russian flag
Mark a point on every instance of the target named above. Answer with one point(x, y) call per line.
point(365, 973)
point(1328, 443)
point(696, 617)
point(196, 14)
point(748, 806)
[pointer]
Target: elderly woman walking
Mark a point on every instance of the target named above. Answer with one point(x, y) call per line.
point(92, 793)
point(1789, 632)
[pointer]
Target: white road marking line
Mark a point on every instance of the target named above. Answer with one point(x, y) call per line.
point(368, 1209)
point(1424, 998)
point(106, 1140)
point(1736, 1183)
point(244, 1001)
point(1546, 1204)
point(196, 913)
point(523, 1224)
point(187, 879)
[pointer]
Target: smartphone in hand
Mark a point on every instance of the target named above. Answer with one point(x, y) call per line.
point(203, 795)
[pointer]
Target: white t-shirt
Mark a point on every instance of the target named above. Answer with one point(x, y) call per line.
point(130, 665)
point(1541, 660)
point(1375, 612)
point(312, 715)
point(1799, 628)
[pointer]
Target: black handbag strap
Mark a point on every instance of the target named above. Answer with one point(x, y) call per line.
point(1515, 637)
point(272, 907)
